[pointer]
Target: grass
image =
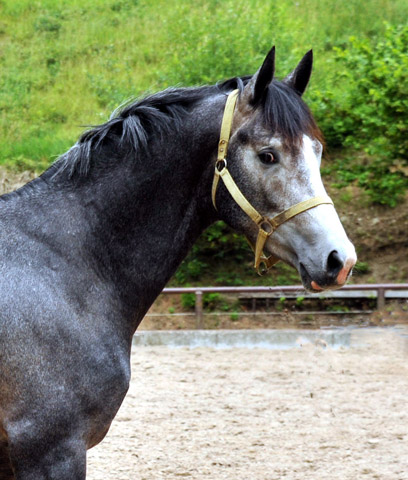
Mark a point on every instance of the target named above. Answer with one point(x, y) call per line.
point(68, 63)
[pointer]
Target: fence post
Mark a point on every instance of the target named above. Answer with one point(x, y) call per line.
point(380, 298)
point(199, 309)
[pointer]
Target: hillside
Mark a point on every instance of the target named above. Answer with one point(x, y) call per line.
point(69, 63)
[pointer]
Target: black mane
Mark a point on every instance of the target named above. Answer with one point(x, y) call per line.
point(133, 124)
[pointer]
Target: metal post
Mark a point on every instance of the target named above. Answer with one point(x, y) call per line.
point(380, 298)
point(199, 309)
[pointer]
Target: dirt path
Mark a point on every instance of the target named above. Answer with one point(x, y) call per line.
point(300, 414)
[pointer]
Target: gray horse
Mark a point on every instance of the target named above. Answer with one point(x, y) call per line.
point(87, 247)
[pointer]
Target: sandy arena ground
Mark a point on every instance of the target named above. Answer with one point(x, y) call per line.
point(299, 414)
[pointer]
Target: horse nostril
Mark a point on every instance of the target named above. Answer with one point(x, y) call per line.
point(334, 263)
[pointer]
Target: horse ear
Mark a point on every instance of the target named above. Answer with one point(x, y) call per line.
point(256, 87)
point(300, 76)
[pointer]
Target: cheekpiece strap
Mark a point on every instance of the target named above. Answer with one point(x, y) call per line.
point(227, 124)
point(224, 139)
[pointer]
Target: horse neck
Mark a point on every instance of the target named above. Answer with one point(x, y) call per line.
point(143, 214)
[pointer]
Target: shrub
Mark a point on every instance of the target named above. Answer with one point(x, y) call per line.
point(362, 267)
point(211, 301)
point(364, 106)
point(217, 242)
point(188, 301)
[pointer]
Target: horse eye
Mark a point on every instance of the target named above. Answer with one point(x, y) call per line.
point(267, 158)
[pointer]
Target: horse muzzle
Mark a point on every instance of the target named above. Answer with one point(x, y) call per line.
point(338, 268)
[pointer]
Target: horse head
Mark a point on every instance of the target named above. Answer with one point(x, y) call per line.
point(274, 192)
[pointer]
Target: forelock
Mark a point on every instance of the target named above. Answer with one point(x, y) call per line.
point(286, 114)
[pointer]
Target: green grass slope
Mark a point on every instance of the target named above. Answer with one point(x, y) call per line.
point(68, 63)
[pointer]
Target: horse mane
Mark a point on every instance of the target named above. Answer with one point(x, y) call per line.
point(133, 123)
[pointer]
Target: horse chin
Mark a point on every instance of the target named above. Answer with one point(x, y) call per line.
point(314, 285)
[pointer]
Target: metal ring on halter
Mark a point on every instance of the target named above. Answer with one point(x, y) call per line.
point(221, 164)
point(262, 268)
point(269, 227)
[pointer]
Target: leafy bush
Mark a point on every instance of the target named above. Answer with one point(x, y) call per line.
point(211, 301)
point(362, 267)
point(188, 301)
point(217, 242)
point(364, 107)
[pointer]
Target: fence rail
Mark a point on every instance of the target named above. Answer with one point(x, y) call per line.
point(380, 291)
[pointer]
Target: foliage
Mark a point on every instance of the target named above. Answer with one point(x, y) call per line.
point(365, 107)
point(69, 63)
point(299, 301)
point(362, 267)
point(217, 243)
point(211, 301)
point(188, 301)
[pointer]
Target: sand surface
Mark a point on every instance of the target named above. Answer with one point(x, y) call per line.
point(304, 413)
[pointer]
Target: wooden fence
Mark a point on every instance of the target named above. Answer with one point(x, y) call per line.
point(378, 291)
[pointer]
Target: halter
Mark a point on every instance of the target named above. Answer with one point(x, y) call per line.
point(266, 226)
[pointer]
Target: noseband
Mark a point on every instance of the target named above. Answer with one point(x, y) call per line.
point(266, 226)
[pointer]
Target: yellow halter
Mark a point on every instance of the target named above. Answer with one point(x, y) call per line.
point(266, 225)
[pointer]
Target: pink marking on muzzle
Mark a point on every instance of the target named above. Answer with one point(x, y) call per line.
point(315, 286)
point(345, 271)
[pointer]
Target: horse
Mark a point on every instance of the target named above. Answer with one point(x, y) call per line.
point(88, 245)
